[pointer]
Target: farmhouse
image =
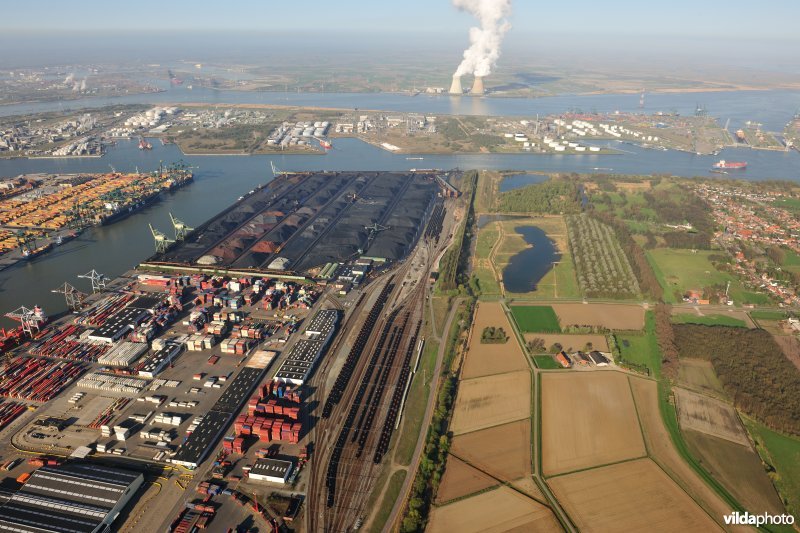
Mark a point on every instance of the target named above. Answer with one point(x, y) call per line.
point(598, 358)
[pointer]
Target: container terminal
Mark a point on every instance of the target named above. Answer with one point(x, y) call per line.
point(38, 212)
point(240, 348)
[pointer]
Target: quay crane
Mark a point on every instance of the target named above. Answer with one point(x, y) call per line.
point(31, 319)
point(161, 240)
point(98, 280)
point(181, 228)
point(73, 296)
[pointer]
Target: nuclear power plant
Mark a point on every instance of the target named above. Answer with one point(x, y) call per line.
point(477, 87)
point(455, 87)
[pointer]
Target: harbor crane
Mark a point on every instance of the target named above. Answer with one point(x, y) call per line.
point(181, 229)
point(374, 229)
point(73, 296)
point(276, 171)
point(31, 319)
point(98, 280)
point(161, 240)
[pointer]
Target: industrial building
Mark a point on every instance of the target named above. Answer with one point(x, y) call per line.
point(305, 353)
point(160, 360)
point(272, 470)
point(301, 222)
point(118, 325)
point(209, 430)
point(80, 497)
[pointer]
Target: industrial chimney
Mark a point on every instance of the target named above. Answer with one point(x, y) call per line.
point(477, 87)
point(455, 88)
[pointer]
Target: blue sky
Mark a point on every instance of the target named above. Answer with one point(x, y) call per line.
point(732, 19)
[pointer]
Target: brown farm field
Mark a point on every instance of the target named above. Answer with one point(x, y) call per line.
point(738, 468)
point(461, 480)
point(661, 449)
point(495, 511)
point(630, 496)
point(588, 419)
point(503, 452)
point(791, 348)
point(574, 341)
point(710, 416)
point(611, 316)
point(491, 401)
point(487, 359)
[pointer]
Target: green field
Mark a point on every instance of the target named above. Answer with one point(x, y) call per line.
point(389, 497)
point(536, 318)
point(679, 271)
point(783, 453)
point(790, 204)
point(545, 362)
point(487, 237)
point(486, 281)
point(767, 314)
point(642, 349)
point(708, 320)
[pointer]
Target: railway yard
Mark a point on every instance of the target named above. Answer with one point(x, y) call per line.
point(220, 386)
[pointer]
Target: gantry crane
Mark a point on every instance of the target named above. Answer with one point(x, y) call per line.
point(31, 319)
point(98, 280)
point(73, 296)
point(181, 229)
point(161, 240)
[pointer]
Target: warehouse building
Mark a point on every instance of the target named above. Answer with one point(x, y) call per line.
point(118, 325)
point(160, 360)
point(305, 353)
point(272, 470)
point(80, 497)
point(210, 429)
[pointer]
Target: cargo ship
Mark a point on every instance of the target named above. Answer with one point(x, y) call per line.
point(28, 253)
point(114, 213)
point(144, 145)
point(725, 165)
point(61, 239)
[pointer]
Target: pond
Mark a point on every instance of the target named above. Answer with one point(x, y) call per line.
point(516, 181)
point(527, 268)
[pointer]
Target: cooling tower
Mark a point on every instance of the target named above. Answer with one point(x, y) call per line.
point(455, 88)
point(477, 86)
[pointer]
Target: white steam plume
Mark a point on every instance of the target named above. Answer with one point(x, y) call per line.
point(484, 48)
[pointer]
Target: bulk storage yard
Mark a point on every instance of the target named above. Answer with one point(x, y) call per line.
point(217, 375)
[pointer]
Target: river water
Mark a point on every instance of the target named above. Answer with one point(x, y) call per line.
point(220, 180)
point(773, 109)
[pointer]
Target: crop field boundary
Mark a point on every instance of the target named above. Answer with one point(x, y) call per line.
point(498, 480)
point(669, 418)
point(595, 467)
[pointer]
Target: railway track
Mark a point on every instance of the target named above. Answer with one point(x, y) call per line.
point(353, 435)
point(367, 426)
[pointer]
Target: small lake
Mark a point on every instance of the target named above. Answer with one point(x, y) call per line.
point(528, 267)
point(516, 181)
